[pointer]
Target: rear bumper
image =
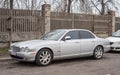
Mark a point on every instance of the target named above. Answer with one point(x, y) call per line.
point(22, 56)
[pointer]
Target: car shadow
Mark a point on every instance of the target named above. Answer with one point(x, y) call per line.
point(55, 62)
point(74, 61)
point(114, 52)
point(62, 62)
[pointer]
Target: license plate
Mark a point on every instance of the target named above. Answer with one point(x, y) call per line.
point(13, 53)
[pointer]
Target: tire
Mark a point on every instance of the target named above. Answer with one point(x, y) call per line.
point(98, 52)
point(44, 57)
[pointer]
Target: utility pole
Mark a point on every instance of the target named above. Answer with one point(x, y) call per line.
point(11, 23)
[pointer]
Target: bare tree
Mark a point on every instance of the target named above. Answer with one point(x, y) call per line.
point(22, 4)
point(31, 4)
point(63, 5)
point(4, 3)
point(105, 4)
point(69, 6)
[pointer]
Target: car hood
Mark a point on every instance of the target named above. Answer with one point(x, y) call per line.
point(33, 43)
point(114, 39)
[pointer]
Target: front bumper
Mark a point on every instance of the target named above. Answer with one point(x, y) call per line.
point(115, 47)
point(106, 48)
point(22, 56)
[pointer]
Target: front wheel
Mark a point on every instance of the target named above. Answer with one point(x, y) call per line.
point(44, 57)
point(98, 52)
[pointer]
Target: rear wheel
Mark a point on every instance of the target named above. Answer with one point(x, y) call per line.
point(44, 57)
point(98, 52)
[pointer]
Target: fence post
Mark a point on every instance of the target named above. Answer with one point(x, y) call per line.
point(11, 23)
point(46, 10)
point(73, 21)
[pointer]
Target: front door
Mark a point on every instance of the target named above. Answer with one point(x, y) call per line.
point(72, 45)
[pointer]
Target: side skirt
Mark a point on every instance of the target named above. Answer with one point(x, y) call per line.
point(73, 56)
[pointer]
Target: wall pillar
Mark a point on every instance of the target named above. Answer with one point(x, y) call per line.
point(112, 13)
point(113, 24)
point(46, 10)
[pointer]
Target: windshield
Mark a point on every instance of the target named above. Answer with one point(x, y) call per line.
point(116, 34)
point(54, 35)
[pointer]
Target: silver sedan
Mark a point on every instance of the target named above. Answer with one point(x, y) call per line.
point(60, 44)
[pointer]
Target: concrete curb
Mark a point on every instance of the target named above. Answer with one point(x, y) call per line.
point(5, 58)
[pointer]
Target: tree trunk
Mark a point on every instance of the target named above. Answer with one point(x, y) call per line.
point(69, 6)
point(103, 8)
point(65, 5)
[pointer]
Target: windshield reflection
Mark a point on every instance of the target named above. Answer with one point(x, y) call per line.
point(116, 34)
point(54, 35)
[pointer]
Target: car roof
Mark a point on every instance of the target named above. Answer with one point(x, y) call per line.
point(73, 29)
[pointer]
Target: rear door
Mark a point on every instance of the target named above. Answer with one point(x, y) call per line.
point(87, 42)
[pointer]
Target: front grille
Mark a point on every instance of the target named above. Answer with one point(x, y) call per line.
point(16, 49)
point(117, 47)
point(17, 57)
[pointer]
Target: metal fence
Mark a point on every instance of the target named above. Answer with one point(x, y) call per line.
point(27, 24)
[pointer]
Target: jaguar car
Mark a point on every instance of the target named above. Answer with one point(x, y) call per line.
point(60, 44)
point(115, 41)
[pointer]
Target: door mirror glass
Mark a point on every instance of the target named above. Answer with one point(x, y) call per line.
point(67, 38)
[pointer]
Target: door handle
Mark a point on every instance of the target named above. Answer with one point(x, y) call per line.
point(93, 41)
point(77, 42)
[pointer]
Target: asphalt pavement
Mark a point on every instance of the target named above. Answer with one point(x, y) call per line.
point(108, 65)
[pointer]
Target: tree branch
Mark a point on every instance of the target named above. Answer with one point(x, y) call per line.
point(96, 7)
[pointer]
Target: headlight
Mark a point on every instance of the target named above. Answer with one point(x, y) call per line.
point(22, 49)
point(114, 43)
point(26, 49)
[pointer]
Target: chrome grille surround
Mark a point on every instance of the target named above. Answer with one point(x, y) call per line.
point(15, 49)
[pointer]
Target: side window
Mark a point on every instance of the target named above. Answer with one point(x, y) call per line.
point(73, 34)
point(86, 35)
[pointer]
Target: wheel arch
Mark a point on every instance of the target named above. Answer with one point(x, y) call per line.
point(48, 49)
point(100, 46)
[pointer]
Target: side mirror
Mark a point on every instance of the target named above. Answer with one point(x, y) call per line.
point(67, 38)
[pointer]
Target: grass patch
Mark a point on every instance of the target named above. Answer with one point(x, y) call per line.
point(3, 51)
